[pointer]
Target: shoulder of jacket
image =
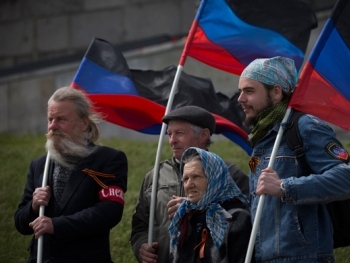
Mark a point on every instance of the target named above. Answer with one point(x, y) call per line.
point(162, 164)
point(38, 164)
point(40, 160)
point(106, 149)
point(103, 148)
point(228, 164)
point(309, 119)
point(308, 122)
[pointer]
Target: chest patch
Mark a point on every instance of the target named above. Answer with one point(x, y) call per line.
point(336, 151)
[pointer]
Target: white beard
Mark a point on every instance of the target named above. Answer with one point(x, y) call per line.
point(65, 150)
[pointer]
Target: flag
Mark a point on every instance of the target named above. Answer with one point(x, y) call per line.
point(230, 34)
point(323, 86)
point(137, 99)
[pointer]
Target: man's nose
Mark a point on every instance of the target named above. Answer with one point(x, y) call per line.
point(190, 182)
point(172, 139)
point(241, 97)
point(52, 124)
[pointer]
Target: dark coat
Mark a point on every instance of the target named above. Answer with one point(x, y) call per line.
point(82, 223)
point(235, 244)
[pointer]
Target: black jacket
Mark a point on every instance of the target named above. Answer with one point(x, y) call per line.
point(83, 222)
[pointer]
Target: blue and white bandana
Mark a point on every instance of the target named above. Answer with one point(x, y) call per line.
point(272, 71)
point(221, 187)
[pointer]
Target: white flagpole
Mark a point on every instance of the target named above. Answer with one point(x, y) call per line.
point(262, 197)
point(42, 208)
point(159, 150)
point(162, 132)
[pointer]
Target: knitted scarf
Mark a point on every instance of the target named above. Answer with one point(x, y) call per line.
point(221, 187)
point(266, 120)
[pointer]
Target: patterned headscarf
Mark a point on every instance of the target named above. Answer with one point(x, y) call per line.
point(221, 187)
point(272, 71)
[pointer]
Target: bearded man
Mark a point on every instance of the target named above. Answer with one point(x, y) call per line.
point(84, 196)
point(295, 225)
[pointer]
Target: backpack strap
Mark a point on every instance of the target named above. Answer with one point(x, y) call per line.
point(339, 211)
point(295, 142)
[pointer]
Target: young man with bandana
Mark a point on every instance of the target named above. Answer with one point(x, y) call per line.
point(295, 225)
point(84, 196)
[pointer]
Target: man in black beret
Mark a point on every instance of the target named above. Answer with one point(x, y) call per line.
point(188, 126)
point(192, 114)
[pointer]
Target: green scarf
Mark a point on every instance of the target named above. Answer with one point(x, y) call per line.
point(266, 120)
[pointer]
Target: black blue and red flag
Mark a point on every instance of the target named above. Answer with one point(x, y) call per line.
point(323, 87)
point(137, 99)
point(229, 34)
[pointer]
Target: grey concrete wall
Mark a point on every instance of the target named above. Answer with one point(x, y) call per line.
point(32, 30)
point(40, 29)
point(36, 30)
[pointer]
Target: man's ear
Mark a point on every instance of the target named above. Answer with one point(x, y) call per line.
point(84, 124)
point(205, 135)
point(277, 93)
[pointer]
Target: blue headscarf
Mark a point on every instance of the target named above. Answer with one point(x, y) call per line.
point(221, 187)
point(272, 71)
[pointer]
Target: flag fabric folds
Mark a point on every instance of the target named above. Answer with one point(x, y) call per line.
point(137, 99)
point(230, 34)
point(105, 76)
point(323, 87)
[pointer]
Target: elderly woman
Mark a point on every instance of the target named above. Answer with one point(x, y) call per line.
point(213, 224)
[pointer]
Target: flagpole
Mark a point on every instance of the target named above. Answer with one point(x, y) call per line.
point(159, 150)
point(42, 208)
point(168, 107)
point(262, 197)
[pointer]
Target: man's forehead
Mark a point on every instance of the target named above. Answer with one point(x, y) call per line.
point(178, 124)
point(60, 108)
point(246, 83)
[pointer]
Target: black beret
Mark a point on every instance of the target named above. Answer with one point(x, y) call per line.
point(192, 114)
